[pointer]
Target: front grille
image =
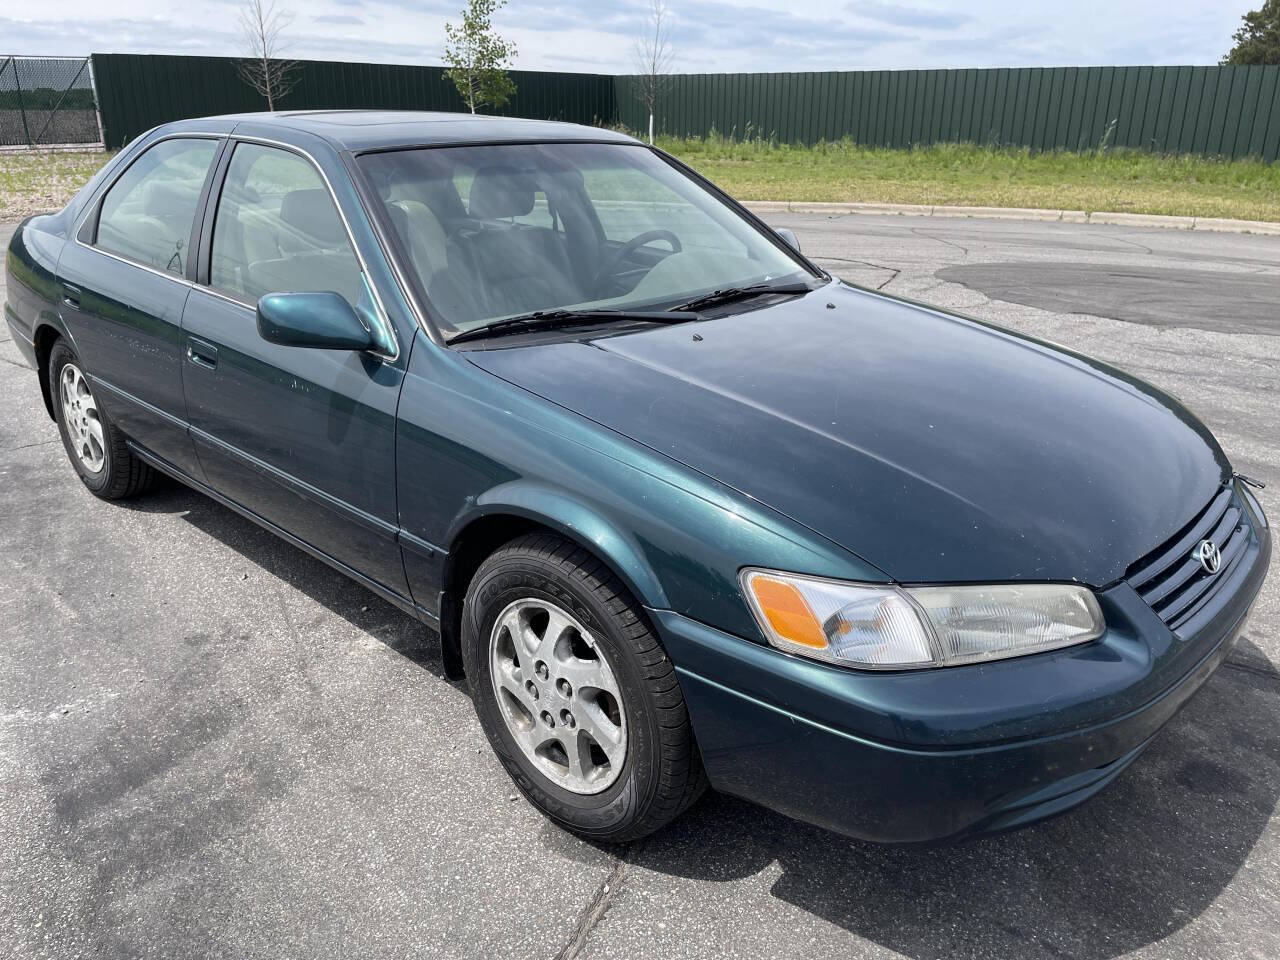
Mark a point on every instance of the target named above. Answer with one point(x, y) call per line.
point(1173, 581)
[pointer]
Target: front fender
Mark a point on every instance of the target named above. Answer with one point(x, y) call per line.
point(555, 508)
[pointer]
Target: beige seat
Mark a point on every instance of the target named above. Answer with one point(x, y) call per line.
point(314, 252)
point(308, 222)
point(241, 235)
point(424, 235)
point(307, 273)
point(521, 267)
point(153, 225)
point(141, 237)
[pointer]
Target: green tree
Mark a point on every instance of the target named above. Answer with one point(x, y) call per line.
point(478, 58)
point(1258, 39)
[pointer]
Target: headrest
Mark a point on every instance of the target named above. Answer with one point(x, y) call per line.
point(311, 211)
point(400, 218)
point(501, 192)
point(164, 197)
point(240, 193)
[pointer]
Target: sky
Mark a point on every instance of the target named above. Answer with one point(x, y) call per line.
point(709, 36)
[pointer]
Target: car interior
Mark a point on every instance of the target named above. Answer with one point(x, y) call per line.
point(149, 225)
point(259, 248)
point(487, 238)
point(528, 262)
point(498, 240)
point(146, 215)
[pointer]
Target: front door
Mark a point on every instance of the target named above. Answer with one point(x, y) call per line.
point(303, 437)
point(123, 286)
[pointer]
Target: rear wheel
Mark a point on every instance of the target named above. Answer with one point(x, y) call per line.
point(95, 447)
point(574, 692)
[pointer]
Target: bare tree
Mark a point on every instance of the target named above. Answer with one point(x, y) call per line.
point(261, 28)
point(653, 56)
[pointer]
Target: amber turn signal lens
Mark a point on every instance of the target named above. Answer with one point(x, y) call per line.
point(787, 611)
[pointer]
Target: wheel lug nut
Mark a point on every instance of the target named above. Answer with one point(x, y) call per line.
point(548, 719)
point(565, 689)
point(532, 688)
point(541, 670)
point(567, 719)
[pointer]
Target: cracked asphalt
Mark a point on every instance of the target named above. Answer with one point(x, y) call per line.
point(211, 745)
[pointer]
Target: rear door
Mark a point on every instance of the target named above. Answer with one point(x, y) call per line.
point(305, 438)
point(124, 282)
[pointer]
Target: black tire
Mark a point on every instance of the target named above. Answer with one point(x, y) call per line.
point(122, 474)
point(662, 773)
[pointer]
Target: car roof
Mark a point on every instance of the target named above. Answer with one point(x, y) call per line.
point(358, 130)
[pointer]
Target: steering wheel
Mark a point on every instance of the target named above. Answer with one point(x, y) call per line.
point(630, 247)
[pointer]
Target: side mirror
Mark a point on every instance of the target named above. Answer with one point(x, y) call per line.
point(323, 321)
point(790, 237)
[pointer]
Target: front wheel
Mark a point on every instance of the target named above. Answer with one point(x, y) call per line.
point(574, 692)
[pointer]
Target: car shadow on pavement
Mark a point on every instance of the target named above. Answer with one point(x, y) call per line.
point(1138, 862)
point(362, 608)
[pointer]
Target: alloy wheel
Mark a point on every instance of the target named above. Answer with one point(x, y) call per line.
point(81, 419)
point(558, 695)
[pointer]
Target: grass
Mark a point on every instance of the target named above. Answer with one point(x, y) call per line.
point(961, 174)
point(968, 175)
point(39, 182)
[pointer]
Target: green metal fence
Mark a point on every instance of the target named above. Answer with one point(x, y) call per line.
point(1224, 110)
point(1229, 111)
point(137, 92)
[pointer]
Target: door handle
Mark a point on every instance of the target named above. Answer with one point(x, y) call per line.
point(71, 294)
point(202, 354)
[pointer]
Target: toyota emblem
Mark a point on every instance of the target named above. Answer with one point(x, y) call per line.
point(1209, 555)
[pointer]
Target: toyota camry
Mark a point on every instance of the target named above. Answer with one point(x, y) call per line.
point(684, 509)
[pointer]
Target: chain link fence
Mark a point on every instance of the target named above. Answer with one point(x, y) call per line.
point(48, 102)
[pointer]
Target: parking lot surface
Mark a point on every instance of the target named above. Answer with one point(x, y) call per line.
point(211, 745)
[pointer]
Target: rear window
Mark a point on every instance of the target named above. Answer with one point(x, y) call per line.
point(148, 213)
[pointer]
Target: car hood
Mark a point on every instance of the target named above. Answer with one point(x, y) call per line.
point(934, 447)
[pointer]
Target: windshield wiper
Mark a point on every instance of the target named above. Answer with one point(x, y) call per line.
point(554, 319)
point(730, 294)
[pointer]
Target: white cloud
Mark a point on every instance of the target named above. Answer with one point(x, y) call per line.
point(710, 35)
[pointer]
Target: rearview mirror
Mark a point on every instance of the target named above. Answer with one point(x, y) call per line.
point(790, 237)
point(320, 320)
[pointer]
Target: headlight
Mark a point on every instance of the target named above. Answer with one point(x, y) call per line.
point(895, 628)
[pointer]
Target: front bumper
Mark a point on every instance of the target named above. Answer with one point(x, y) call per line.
point(938, 755)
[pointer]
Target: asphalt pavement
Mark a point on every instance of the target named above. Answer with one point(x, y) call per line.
point(211, 745)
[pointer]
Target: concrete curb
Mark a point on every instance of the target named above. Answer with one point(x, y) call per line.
point(1215, 224)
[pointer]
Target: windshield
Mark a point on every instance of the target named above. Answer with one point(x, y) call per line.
point(506, 230)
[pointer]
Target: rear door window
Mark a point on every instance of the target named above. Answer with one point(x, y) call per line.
point(147, 214)
point(277, 230)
